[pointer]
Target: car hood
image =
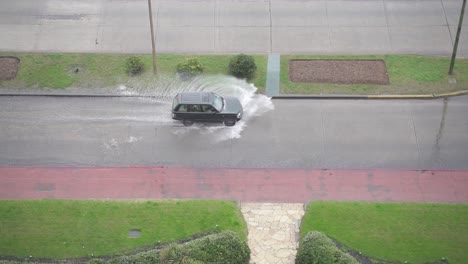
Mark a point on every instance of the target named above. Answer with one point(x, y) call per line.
point(232, 105)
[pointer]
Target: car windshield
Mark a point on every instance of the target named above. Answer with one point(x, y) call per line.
point(218, 102)
point(174, 103)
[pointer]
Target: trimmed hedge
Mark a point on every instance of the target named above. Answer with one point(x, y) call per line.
point(317, 248)
point(221, 248)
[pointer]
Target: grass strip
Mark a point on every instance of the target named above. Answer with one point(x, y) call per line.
point(396, 232)
point(105, 70)
point(69, 229)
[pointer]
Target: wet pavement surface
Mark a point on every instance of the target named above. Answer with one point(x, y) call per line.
point(71, 131)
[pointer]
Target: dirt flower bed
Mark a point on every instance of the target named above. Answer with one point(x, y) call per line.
point(8, 68)
point(338, 71)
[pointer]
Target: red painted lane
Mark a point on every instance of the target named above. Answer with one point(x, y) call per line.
point(248, 185)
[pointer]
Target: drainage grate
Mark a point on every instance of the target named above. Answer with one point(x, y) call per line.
point(134, 233)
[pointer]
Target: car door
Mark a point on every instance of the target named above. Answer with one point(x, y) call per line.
point(195, 112)
point(181, 111)
point(210, 114)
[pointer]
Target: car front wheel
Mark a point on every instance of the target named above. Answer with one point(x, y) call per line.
point(229, 121)
point(187, 122)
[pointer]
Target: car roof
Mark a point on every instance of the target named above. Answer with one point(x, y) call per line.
point(196, 97)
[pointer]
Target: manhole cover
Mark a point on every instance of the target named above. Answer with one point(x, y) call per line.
point(134, 233)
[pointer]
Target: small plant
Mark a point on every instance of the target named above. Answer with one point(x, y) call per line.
point(189, 69)
point(134, 65)
point(243, 66)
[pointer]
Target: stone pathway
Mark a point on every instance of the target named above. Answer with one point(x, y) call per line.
point(273, 231)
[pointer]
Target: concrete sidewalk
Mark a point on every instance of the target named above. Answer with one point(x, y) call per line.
point(245, 185)
point(222, 26)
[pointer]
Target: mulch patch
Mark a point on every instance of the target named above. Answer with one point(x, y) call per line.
point(8, 68)
point(338, 71)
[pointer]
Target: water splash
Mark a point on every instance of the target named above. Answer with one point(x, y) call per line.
point(164, 90)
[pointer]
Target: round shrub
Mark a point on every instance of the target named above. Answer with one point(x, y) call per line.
point(189, 69)
point(134, 65)
point(243, 66)
point(316, 247)
point(222, 248)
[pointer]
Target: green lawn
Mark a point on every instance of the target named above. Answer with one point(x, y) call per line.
point(397, 232)
point(408, 75)
point(104, 70)
point(65, 229)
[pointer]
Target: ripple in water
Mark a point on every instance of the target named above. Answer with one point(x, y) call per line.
point(164, 90)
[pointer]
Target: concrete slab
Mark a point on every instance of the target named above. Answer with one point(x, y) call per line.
point(360, 39)
point(243, 13)
point(273, 75)
point(356, 13)
point(72, 20)
point(73, 7)
point(453, 10)
point(301, 39)
point(190, 14)
point(462, 51)
point(21, 12)
point(128, 13)
point(20, 37)
point(67, 39)
point(243, 39)
point(185, 39)
point(433, 40)
point(73, 13)
point(136, 39)
point(299, 13)
point(415, 13)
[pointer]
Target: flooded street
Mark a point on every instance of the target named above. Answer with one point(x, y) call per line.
point(133, 131)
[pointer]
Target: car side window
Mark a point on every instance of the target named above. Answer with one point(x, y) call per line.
point(194, 108)
point(207, 109)
point(182, 108)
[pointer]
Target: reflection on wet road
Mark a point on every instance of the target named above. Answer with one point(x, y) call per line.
point(419, 134)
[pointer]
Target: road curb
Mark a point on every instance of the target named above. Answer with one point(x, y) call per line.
point(285, 96)
point(320, 96)
point(380, 96)
point(81, 95)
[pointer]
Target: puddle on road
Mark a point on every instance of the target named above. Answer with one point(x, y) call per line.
point(164, 90)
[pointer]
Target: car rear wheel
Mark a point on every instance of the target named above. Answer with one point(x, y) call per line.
point(229, 121)
point(187, 122)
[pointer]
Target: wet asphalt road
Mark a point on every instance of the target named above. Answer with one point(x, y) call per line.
point(411, 134)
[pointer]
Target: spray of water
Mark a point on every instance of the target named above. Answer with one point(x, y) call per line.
point(164, 90)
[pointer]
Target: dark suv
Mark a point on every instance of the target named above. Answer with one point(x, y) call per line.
point(190, 107)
